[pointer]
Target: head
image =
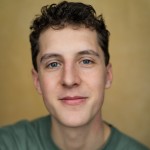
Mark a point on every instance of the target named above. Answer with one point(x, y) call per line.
point(71, 62)
point(58, 16)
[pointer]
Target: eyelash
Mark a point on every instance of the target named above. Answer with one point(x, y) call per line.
point(87, 62)
point(53, 65)
point(84, 62)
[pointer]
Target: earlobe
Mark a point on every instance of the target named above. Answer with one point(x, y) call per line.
point(36, 82)
point(109, 76)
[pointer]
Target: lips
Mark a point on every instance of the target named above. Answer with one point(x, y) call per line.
point(73, 100)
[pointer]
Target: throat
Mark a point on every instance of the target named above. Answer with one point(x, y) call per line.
point(81, 138)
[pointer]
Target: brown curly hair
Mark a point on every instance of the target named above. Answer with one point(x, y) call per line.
point(77, 14)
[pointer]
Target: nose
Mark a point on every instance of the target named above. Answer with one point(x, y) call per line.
point(70, 77)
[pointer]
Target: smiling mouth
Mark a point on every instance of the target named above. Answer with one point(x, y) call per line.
point(75, 100)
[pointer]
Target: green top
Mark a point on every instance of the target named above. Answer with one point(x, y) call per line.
point(35, 135)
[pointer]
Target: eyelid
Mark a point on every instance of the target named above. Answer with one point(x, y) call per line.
point(49, 56)
point(86, 58)
point(48, 63)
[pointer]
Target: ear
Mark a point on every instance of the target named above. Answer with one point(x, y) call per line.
point(109, 76)
point(36, 82)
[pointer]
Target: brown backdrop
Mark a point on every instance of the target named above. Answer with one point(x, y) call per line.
point(127, 103)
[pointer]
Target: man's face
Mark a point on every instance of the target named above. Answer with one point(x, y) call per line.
point(72, 75)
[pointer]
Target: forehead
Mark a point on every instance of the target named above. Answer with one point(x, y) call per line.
point(67, 40)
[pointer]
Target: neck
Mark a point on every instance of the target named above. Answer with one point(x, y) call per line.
point(90, 136)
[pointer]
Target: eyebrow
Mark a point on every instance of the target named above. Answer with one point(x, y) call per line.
point(89, 52)
point(54, 55)
point(48, 56)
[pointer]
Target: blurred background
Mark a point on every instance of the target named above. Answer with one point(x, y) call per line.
point(127, 103)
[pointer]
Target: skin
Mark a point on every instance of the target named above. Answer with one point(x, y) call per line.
point(72, 78)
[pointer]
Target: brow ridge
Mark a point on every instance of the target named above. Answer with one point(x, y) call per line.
point(89, 52)
point(55, 55)
point(49, 55)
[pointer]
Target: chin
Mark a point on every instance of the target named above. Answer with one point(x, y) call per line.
point(74, 121)
point(74, 124)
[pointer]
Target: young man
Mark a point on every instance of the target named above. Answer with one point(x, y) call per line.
point(71, 71)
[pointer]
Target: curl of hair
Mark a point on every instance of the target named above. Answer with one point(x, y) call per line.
point(58, 16)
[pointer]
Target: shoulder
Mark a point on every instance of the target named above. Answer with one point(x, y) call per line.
point(20, 135)
point(120, 141)
point(13, 134)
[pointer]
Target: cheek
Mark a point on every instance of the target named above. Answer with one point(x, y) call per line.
point(48, 85)
point(48, 88)
point(95, 79)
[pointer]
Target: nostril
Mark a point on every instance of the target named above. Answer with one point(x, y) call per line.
point(69, 86)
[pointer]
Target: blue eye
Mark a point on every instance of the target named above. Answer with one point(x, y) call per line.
point(53, 65)
point(86, 61)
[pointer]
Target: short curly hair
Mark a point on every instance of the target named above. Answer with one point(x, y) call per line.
point(58, 16)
